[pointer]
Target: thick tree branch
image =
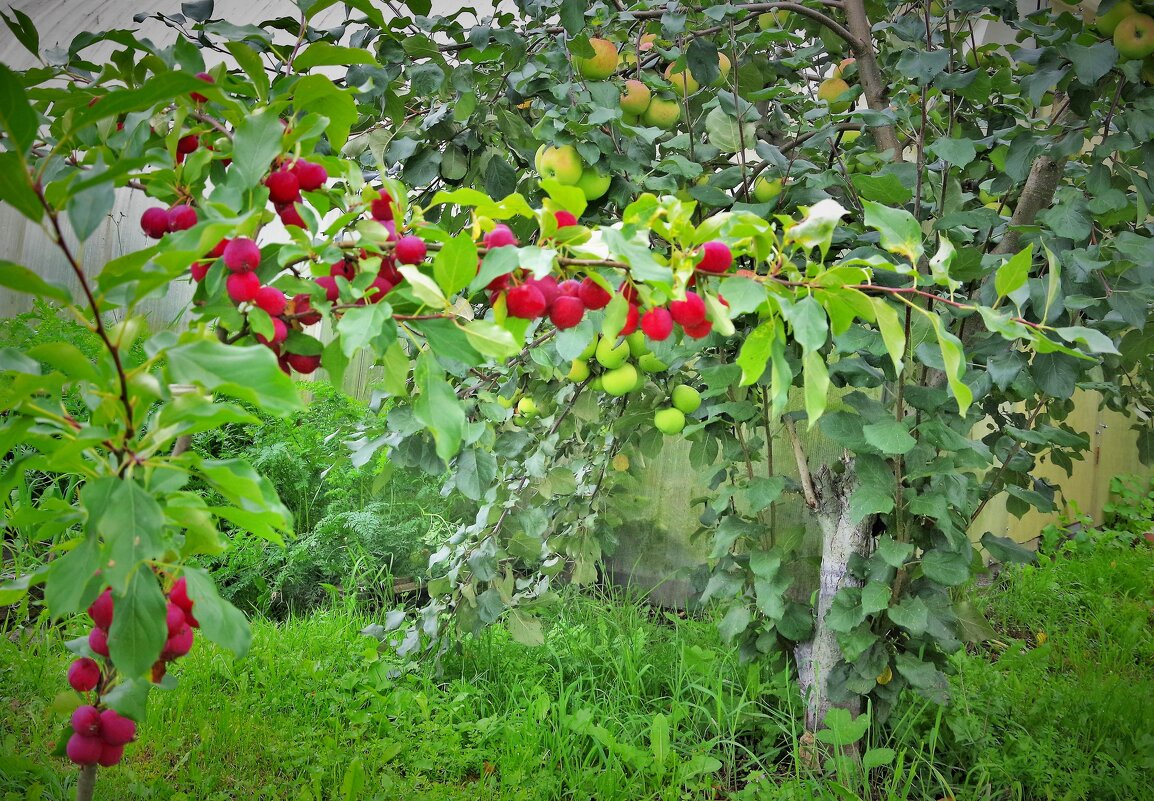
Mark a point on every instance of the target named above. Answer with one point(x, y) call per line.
point(873, 83)
point(1037, 194)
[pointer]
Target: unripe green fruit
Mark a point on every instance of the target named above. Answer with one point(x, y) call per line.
point(637, 346)
point(590, 349)
point(619, 381)
point(669, 421)
point(506, 402)
point(766, 191)
point(686, 398)
point(651, 364)
point(609, 356)
point(579, 371)
point(527, 407)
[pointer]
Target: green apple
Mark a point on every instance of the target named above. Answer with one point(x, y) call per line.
point(765, 190)
point(1108, 22)
point(590, 349)
point(601, 64)
point(1134, 36)
point(683, 81)
point(830, 90)
point(637, 346)
point(609, 355)
point(773, 19)
point(635, 99)
point(662, 113)
point(685, 398)
point(620, 380)
point(594, 184)
point(724, 65)
point(562, 164)
point(579, 371)
point(651, 364)
point(527, 407)
point(669, 421)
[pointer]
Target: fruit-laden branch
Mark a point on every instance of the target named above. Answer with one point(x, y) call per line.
point(869, 72)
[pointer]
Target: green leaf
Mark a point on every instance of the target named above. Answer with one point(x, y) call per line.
point(760, 493)
point(70, 585)
point(875, 490)
point(317, 93)
point(887, 189)
point(946, 567)
point(842, 728)
point(954, 361)
point(911, 614)
point(250, 373)
point(900, 232)
point(90, 207)
point(437, 407)
point(456, 264)
point(573, 16)
point(1005, 549)
point(323, 53)
point(17, 118)
point(875, 597)
point(637, 253)
point(1013, 275)
point(890, 437)
point(368, 326)
point(923, 677)
point(809, 322)
point(525, 628)
point(490, 339)
point(20, 279)
point(1091, 62)
point(816, 378)
point(219, 620)
point(16, 188)
point(817, 227)
point(956, 152)
point(423, 287)
point(138, 629)
point(892, 552)
point(659, 743)
point(755, 351)
point(1093, 339)
point(892, 331)
point(250, 62)
point(132, 526)
point(160, 89)
point(256, 143)
point(736, 621)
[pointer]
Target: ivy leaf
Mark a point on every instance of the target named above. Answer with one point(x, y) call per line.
point(762, 492)
point(892, 552)
point(911, 614)
point(1070, 219)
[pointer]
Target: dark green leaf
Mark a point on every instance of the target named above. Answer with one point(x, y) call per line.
point(890, 437)
point(132, 525)
point(324, 53)
point(17, 119)
point(1005, 549)
point(16, 188)
point(887, 189)
point(20, 279)
point(138, 629)
point(250, 373)
point(256, 143)
point(219, 620)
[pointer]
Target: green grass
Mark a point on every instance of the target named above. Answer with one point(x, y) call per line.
point(315, 712)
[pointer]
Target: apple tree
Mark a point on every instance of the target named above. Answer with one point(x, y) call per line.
point(494, 212)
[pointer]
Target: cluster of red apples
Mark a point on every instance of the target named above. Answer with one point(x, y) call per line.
point(100, 734)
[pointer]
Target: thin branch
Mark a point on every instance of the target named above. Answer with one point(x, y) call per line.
point(803, 473)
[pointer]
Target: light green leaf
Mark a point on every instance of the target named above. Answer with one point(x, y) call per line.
point(250, 62)
point(256, 143)
point(755, 351)
point(525, 628)
point(456, 264)
point(890, 437)
point(491, 339)
point(219, 620)
point(955, 364)
point(842, 728)
point(817, 227)
point(900, 232)
point(1013, 275)
point(19, 278)
point(892, 331)
point(816, 378)
point(324, 53)
point(317, 93)
point(250, 373)
point(423, 287)
point(437, 407)
point(131, 525)
point(369, 326)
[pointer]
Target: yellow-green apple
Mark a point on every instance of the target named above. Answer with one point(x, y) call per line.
point(662, 113)
point(669, 421)
point(830, 90)
point(1134, 36)
point(593, 183)
point(682, 79)
point(635, 99)
point(562, 164)
point(1106, 23)
point(766, 190)
point(601, 64)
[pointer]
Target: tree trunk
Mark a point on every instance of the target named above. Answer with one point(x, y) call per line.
point(86, 784)
point(841, 538)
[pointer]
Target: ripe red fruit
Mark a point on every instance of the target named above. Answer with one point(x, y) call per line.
point(110, 755)
point(391, 227)
point(302, 308)
point(84, 750)
point(631, 319)
point(501, 236)
point(115, 729)
point(279, 334)
point(98, 641)
point(242, 287)
point(178, 644)
point(174, 618)
point(329, 285)
point(179, 594)
point(197, 96)
point(241, 255)
point(382, 208)
point(303, 364)
point(716, 257)
point(283, 186)
point(272, 300)
point(548, 288)
point(700, 330)
point(410, 250)
point(199, 270)
point(101, 610)
point(525, 301)
point(310, 176)
point(629, 292)
point(570, 286)
point(346, 269)
point(187, 144)
point(389, 271)
point(566, 311)
point(500, 283)
point(181, 218)
point(84, 674)
point(218, 249)
point(86, 720)
point(290, 217)
point(380, 287)
point(688, 312)
point(593, 295)
point(657, 324)
point(154, 222)
point(564, 219)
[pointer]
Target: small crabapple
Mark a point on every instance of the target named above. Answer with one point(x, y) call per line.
point(410, 250)
point(593, 295)
point(241, 255)
point(83, 674)
point(115, 729)
point(525, 301)
point(242, 287)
